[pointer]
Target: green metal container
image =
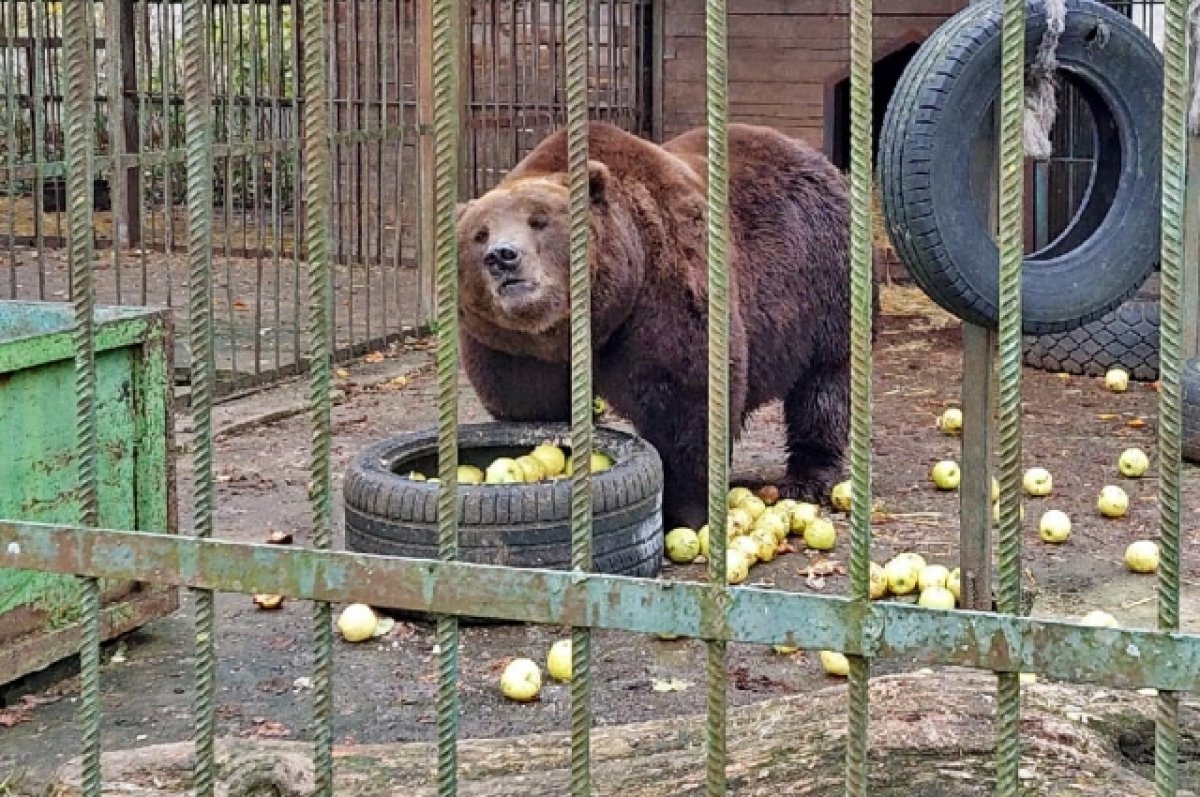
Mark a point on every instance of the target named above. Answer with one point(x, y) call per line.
point(40, 612)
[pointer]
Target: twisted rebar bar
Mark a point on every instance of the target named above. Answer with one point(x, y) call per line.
point(575, 12)
point(1011, 180)
point(198, 131)
point(1170, 428)
point(79, 110)
point(317, 192)
point(861, 275)
point(445, 253)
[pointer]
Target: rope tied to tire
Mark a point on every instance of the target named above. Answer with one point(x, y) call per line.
point(1041, 95)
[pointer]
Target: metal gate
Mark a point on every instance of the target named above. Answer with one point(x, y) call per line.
point(1003, 642)
point(381, 115)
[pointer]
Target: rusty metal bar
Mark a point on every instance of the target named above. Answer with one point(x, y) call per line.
point(1120, 658)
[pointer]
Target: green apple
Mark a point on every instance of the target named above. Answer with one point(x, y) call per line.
point(766, 543)
point(504, 470)
point(558, 660)
point(737, 495)
point(1116, 380)
point(936, 598)
point(748, 547)
point(820, 535)
point(879, 582)
point(951, 421)
point(1133, 463)
point(774, 522)
point(840, 496)
point(954, 583)
point(600, 462)
point(1113, 502)
point(737, 566)
point(946, 474)
point(683, 545)
point(469, 474)
point(803, 514)
point(1100, 619)
point(1055, 526)
point(901, 575)
point(1038, 482)
point(932, 576)
point(1142, 556)
point(754, 505)
point(532, 470)
point(553, 460)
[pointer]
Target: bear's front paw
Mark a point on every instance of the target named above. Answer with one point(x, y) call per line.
point(813, 486)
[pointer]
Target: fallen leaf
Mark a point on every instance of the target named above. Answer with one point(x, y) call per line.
point(271, 730)
point(374, 357)
point(384, 626)
point(13, 716)
point(672, 685)
point(238, 304)
point(1107, 416)
point(341, 373)
point(826, 567)
point(1135, 423)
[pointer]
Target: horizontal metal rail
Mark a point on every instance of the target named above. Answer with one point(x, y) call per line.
point(1115, 657)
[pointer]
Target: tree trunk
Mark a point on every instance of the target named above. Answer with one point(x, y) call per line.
point(930, 734)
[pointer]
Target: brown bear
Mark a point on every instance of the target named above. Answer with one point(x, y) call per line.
point(789, 295)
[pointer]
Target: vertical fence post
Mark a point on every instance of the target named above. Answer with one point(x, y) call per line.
point(862, 268)
point(79, 112)
point(1170, 430)
point(317, 222)
point(443, 70)
point(717, 108)
point(575, 17)
point(199, 135)
point(978, 402)
point(1011, 257)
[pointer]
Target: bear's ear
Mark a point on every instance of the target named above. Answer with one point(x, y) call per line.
point(598, 182)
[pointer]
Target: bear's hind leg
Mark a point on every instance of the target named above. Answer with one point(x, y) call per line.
point(817, 413)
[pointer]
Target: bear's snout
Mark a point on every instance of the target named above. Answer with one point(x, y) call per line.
point(502, 259)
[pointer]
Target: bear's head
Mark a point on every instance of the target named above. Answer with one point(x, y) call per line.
point(514, 253)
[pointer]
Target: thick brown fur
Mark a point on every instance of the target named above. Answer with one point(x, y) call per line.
point(789, 286)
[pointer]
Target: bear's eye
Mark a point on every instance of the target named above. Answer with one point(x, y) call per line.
point(538, 222)
point(481, 236)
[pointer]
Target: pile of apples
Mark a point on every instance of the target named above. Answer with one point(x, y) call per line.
point(545, 462)
point(756, 530)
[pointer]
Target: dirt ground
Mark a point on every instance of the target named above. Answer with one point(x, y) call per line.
point(385, 689)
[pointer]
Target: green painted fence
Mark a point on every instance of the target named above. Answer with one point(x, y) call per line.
point(1002, 642)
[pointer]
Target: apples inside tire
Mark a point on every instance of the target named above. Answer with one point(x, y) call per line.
point(514, 525)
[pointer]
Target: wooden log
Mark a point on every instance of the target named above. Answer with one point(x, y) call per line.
point(930, 734)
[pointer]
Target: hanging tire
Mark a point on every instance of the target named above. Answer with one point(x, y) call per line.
point(934, 193)
point(515, 525)
point(1123, 338)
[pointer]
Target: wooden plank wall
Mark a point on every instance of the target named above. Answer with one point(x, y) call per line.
point(782, 55)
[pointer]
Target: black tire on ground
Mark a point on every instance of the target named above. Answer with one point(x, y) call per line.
point(525, 525)
point(934, 189)
point(1126, 337)
point(1191, 410)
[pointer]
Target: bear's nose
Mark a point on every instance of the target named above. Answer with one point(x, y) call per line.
point(502, 258)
